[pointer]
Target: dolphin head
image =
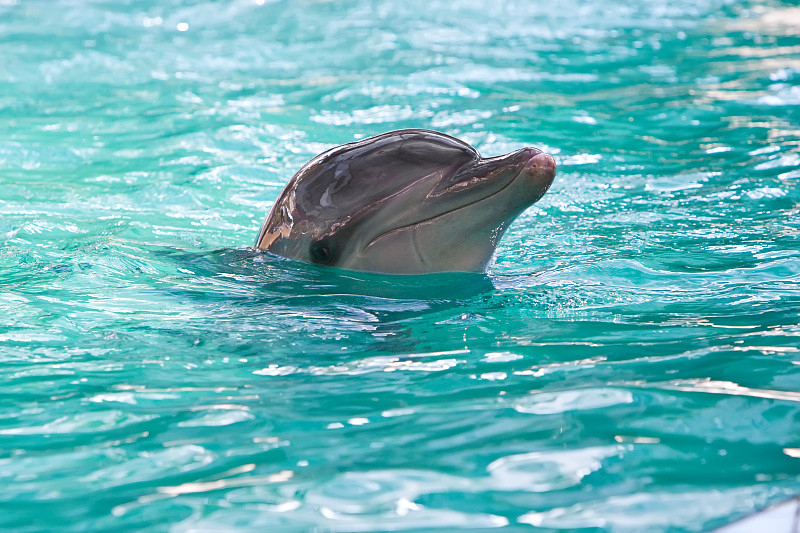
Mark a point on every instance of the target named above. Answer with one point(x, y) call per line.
point(405, 202)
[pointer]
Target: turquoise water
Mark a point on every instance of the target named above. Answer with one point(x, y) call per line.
point(628, 363)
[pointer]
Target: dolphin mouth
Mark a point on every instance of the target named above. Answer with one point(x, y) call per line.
point(536, 167)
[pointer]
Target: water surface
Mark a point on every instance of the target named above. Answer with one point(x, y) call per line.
point(628, 363)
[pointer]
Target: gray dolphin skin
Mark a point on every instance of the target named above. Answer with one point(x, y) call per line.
point(405, 202)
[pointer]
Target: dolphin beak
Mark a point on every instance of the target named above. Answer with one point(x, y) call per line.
point(540, 166)
point(538, 172)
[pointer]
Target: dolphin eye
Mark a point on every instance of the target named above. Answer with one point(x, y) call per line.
point(320, 252)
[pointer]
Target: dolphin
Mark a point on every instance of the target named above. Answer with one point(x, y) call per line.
point(410, 201)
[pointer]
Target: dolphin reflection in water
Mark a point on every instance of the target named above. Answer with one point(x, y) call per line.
point(405, 202)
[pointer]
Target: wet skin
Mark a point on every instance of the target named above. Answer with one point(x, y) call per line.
point(404, 202)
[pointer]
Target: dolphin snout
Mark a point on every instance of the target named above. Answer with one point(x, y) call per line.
point(540, 168)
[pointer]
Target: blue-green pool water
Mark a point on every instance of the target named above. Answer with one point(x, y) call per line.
point(628, 363)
